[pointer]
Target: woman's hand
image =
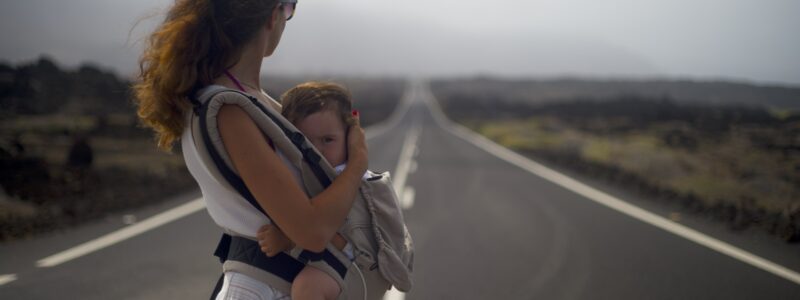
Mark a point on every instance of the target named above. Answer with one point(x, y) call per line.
point(272, 240)
point(357, 147)
point(310, 223)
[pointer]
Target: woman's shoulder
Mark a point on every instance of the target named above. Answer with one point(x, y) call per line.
point(216, 91)
point(228, 95)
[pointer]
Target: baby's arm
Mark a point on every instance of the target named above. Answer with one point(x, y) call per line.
point(273, 241)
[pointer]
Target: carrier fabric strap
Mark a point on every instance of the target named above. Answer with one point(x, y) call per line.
point(309, 155)
point(233, 179)
point(313, 159)
point(249, 252)
point(298, 139)
point(282, 265)
point(326, 256)
point(223, 247)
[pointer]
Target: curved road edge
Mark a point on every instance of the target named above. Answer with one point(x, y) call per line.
point(602, 198)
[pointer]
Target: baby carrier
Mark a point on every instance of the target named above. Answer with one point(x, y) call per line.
point(381, 243)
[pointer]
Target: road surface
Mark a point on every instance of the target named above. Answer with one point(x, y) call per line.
point(485, 226)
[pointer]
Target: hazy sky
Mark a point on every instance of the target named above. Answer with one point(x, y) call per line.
point(755, 40)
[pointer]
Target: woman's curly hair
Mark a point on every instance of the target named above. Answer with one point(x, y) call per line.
point(196, 43)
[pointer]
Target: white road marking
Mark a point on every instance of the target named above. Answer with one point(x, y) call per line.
point(394, 294)
point(404, 163)
point(407, 200)
point(413, 167)
point(182, 210)
point(394, 119)
point(122, 234)
point(7, 278)
point(606, 199)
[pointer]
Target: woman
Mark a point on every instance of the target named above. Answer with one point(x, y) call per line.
point(222, 42)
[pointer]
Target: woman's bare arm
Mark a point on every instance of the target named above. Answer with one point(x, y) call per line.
point(310, 224)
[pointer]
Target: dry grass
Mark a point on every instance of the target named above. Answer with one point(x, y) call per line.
point(723, 169)
point(43, 192)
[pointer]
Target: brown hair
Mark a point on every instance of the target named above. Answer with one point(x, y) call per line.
point(196, 43)
point(307, 98)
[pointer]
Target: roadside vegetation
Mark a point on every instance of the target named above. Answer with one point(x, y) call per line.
point(72, 150)
point(734, 162)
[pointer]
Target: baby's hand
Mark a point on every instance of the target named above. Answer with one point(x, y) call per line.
point(272, 240)
point(357, 156)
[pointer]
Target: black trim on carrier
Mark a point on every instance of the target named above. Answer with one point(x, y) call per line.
point(248, 251)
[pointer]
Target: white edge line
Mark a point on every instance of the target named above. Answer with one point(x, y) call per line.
point(407, 201)
point(7, 278)
point(404, 162)
point(177, 212)
point(394, 118)
point(394, 294)
point(401, 172)
point(122, 234)
point(608, 200)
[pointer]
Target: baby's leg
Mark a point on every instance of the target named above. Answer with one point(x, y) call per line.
point(313, 284)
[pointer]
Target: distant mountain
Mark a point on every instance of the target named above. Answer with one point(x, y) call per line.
point(42, 87)
point(695, 92)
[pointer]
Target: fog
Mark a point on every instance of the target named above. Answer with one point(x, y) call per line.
point(710, 39)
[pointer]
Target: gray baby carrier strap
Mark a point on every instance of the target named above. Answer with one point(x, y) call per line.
point(242, 254)
point(374, 226)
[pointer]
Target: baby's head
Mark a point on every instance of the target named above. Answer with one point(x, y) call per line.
point(322, 112)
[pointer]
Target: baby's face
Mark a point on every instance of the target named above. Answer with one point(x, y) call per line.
point(328, 134)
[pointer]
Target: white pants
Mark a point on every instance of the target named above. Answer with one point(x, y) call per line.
point(237, 286)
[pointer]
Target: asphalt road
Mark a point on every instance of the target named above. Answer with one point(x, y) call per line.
point(484, 228)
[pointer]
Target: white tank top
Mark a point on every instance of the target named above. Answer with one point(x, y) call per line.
point(227, 208)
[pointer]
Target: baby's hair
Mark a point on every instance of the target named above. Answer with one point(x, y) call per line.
point(310, 97)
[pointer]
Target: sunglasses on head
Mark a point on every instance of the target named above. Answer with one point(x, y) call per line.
point(288, 7)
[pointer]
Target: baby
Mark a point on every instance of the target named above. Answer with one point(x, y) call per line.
point(322, 112)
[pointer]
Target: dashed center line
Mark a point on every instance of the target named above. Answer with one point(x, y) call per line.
point(407, 200)
point(7, 278)
point(405, 165)
point(394, 294)
point(607, 200)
